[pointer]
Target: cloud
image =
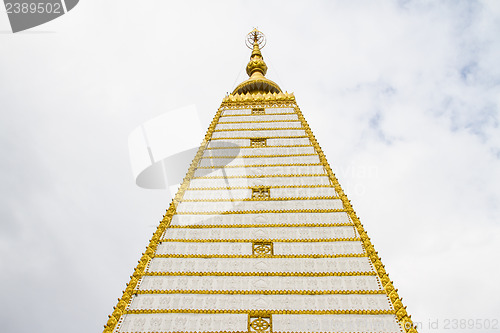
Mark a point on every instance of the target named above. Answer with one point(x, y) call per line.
point(402, 96)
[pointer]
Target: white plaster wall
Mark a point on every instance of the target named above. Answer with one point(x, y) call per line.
point(259, 134)
point(248, 161)
point(261, 171)
point(249, 111)
point(291, 192)
point(264, 233)
point(259, 151)
point(210, 282)
point(288, 142)
point(324, 248)
point(335, 323)
point(236, 111)
point(270, 142)
point(245, 248)
point(277, 124)
point(260, 181)
point(183, 322)
point(266, 117)
point(204, 248)
point(217, 194)
point(262, 219)
point(258, 205)
point(249, 265)
point(260, 302)
point(280, 110)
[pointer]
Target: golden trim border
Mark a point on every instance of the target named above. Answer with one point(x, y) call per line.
point(292, 211)
point(400, 311)
point(265, 176)
point(250, 187)
point(256, 256)
point(179, 273)
point(260, 129)
point(259, 165)
point(262, 199)
point(245, 311)
point(261, 292)
point(267, 137)
point(267, 225)
point(256, 115)
point(243, 240)
point(124, 301)
point(257, 156)
point(253, 147)
point(261, 121)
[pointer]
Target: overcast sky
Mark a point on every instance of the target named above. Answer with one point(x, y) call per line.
point(402, 96)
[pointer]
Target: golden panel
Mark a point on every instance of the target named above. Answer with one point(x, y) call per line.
point(261, 192)
point(261, 249)
point(260, 323)
point(258, 111)
point(258, 142)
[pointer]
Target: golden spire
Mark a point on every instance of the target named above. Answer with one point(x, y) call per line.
point(256, 68)
point(256, 63)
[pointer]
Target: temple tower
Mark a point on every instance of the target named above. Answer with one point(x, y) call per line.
point(260, 236)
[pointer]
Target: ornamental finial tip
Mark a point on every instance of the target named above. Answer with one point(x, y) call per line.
point(255, 41)
point(255, 37)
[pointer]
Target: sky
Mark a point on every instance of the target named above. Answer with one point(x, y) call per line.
point(403, 97)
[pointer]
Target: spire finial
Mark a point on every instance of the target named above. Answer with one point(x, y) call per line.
point(255, 41)
point(256, 68)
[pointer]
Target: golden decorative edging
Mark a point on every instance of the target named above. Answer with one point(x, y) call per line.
point(357, 273)
point(265, 176)
point(253, 156)
point(267, 137)
point(263, 211)
point(242, 101)
point(267, 225)
point(250, 187)
point(400, 311)
point(245, 311)
point(264, 292)
point(260, 129)
point(259, 166)
point(119, 309)
point(261, 199)
point(217, 240)
point(254, 256)
point(260, 121)
point(253, 147)
point(255, 115)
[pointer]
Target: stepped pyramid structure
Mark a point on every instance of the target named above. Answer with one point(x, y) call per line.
point(260, 236)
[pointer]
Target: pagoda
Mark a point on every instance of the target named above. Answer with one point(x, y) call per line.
point(260, 236)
